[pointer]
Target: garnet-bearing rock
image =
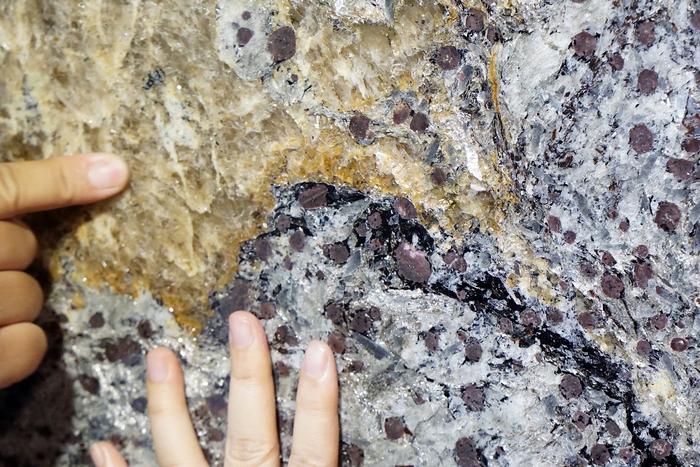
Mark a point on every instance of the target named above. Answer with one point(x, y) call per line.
point(542, 279)
point(412, 263)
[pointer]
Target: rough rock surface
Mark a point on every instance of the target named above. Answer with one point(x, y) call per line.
point(487, 209)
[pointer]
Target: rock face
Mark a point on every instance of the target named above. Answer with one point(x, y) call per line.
point(489, 212)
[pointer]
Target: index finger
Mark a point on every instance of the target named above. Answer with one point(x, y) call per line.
point(59, 182)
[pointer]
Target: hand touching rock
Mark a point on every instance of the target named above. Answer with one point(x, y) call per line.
point(29, 187)
point(252, 438)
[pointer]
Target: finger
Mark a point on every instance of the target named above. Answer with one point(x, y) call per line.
point(21, 298)
point(59, 182)
point(22, 347)
point(174, 439)
point(18, 246)
point(316, 426)
point(103, 454)
point(252, 424)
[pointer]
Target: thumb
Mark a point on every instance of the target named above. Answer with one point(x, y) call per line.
point(59, 182)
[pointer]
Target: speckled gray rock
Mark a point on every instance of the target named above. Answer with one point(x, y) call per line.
point(578, 347)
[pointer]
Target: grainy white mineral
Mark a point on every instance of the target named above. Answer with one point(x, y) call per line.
point(539, 307)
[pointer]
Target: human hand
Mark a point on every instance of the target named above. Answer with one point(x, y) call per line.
point(252, 427)
point(29, 187)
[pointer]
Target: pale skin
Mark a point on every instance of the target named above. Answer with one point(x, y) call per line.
point(29, 187)
point(252, 438)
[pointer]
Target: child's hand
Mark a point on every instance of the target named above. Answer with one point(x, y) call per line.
point(252, 429)
point(30, 187)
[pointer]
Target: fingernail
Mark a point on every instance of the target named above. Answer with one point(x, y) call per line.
point(97, 456)
point(106, 171)
point(156, 369)
point(315, 360)
point(240, 330)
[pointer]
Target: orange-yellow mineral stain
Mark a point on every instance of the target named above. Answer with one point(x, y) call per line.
point(493, 80)
point(292, 153)
point(181, 306)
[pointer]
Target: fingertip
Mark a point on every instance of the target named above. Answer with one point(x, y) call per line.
point(108, 174)
point(34, 338)
point(35, 297)
point(31, 245)
point(159, 352)
point(243, 328)
point(320, 346)
point(161, 362)
point(97, 455)
point(22, 348)
point(32, 293)
point(318, 360)
point(19, 245)
point(242, 315)
point(21, 298)
point(104, 454)
point(41, 342)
